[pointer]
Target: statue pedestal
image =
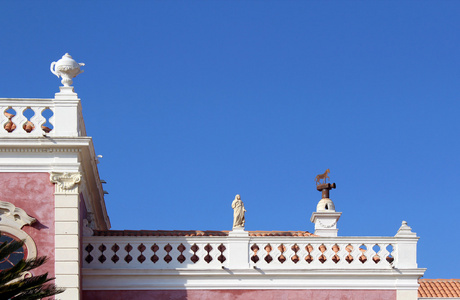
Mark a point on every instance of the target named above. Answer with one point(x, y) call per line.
point(238, 254)
point(238, 232)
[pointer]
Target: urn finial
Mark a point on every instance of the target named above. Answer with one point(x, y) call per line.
point(67, 68)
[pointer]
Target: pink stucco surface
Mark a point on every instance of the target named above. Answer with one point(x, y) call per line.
point(34, 193)
point(242, 295)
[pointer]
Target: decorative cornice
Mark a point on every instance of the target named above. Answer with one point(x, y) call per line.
point(117, 279)
point(13, 216)
point(66, 183)
point(49, 150)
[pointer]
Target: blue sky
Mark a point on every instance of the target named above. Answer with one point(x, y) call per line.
point(192, 102)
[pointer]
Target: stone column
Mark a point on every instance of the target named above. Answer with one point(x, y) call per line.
point(67, 240)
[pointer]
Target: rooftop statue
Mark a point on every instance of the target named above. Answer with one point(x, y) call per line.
point(238, 212)
point(67, 68)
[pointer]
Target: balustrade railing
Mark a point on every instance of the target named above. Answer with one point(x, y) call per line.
point(26, 116)
point(102, 252)
point(60, 116)
point(335, 254)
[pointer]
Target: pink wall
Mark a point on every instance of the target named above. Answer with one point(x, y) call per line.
point(34, 193)
point(242, 295)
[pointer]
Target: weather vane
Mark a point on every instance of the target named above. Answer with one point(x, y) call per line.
point(324, 187)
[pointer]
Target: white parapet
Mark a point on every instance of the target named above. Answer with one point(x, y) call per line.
point(203, 262)
point(25, 117)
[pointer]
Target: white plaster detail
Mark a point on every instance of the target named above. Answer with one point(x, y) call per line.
point(13, 216)
point(405, 230)
point(67, 68)
point(87, 231)
point(65, 182)
point(332, 225)
point(325, 204)
point(326, 223)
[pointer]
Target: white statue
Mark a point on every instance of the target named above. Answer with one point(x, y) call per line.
point(238, 212)
point(67, 68)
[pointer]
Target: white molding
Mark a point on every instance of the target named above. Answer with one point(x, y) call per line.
point(180, 279)
point(28, 241)
point(47, 150)
point(13, 216)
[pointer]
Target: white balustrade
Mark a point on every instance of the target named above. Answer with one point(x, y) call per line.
point(17, 124)
point(154, 253)
point(66, 119)
point(317, 253)
point(111, 252)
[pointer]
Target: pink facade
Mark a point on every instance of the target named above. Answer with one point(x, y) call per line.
point(34, 193)
point(242, 295)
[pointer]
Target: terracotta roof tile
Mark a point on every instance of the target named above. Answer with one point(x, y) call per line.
point(159, 233)
point(447, 288)
point(280, 233)
point(194, 233)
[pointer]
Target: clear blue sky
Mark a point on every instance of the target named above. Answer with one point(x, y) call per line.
point(192, 102)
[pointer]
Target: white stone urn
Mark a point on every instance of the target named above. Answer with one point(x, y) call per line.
point(67, 68)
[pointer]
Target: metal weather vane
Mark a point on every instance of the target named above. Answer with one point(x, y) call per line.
point(323, 186)
point(323, 176)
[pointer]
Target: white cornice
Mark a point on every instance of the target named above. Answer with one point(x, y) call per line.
point(41, 149)
point(250, 279)
point(57, 154)
point(6, 141)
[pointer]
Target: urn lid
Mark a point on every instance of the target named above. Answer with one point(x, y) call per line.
point(68, 61)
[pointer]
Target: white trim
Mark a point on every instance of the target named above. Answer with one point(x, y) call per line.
point(248, 279)
point(28, 241)
point(11, 215)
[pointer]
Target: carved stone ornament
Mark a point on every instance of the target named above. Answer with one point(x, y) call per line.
point(13, 216)
point(405, 231)
point(238, 212)
point(87, 231)
point(65, 181)
point(67, 68)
